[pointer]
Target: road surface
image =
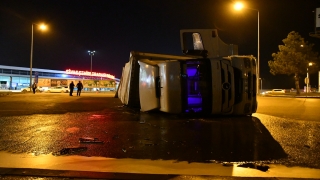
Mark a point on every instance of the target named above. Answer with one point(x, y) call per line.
point(43, 131)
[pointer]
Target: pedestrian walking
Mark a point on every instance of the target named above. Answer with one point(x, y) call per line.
point(71, 86)
point(79, 87)
point(34, 87)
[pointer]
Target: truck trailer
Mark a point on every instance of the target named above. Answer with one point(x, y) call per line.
point(209, 78)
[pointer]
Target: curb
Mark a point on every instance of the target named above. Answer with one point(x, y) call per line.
point(44, 173)
point(291, 96)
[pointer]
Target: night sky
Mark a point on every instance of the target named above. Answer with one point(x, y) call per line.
point(114, 28)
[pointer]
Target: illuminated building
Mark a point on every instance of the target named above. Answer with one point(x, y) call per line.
point(15, 78)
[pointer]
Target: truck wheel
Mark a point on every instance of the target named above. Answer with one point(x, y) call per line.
point(24, 91)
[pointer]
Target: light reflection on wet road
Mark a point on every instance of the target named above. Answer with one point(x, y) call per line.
point(127, 133)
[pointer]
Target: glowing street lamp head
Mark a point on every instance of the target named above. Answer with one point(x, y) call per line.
point(310, 63)
point(238, 6)
point(91, 52)
point(42, 26)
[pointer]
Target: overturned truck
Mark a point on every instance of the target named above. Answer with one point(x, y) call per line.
point(209, 78)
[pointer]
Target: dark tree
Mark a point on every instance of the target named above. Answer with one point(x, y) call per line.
point(293, 58)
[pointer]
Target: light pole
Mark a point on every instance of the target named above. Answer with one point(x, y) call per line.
point(91, 53)
point(307, 80)
point(42, 27)
point(318, 81)
point(260, 83)
point(239, 6)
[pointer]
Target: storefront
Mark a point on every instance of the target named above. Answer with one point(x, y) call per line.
point(12, 77)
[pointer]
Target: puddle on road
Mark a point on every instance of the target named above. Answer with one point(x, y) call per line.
point(69, 151)
point(102, 116)
point(73, 130)
point(89, 140)
point(96, 116)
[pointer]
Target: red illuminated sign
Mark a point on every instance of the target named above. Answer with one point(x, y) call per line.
point(87, 73)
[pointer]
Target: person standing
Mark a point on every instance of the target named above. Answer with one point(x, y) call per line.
point(79, 87)
point(34, 87)
point(71, 86)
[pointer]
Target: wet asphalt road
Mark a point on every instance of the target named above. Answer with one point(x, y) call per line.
point(53, 123)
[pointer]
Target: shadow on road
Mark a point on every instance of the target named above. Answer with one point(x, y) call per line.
point(204, 139)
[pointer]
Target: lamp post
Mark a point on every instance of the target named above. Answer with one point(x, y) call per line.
point(91, 53)
point(42, 27)
point(260, 83)
point(307, 79)
point(239, 6)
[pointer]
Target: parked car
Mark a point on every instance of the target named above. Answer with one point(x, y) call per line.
point(313, 90)
point(27, 89)
point(58, 89)
point(293, 90)
point(276, 91)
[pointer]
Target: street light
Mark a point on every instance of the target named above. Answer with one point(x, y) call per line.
point(238, 6)
point(260, 83)
point(41, 27)
point(307, 79)
point(91, 53)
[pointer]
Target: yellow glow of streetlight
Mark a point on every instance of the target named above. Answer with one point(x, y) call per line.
point(42, 27)
point(238, 6)
point(310, 63)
